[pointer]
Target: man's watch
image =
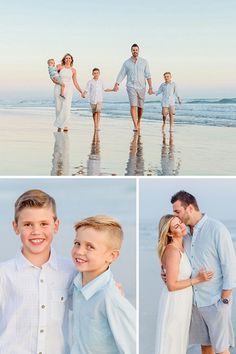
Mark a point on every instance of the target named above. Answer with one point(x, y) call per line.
point(225, 301)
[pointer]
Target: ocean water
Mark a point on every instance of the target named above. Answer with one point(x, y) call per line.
point(198, 111)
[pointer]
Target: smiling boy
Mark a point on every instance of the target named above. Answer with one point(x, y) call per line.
point(103, 320)
point(34, 295)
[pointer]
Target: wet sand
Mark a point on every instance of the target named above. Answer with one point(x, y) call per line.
point(32, 147)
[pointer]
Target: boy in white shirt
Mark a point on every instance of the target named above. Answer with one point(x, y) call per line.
point(103, 320)
point(35, 286)
point(95, 89)
point(168, 90)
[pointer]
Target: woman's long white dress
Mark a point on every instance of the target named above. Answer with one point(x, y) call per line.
point(174, 315)
point(63, 106)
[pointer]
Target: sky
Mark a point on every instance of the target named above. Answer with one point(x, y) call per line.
point(77, 199)
point(215, 196)
point(195, 40)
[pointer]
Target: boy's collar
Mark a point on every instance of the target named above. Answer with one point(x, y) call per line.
point(22, 262)
point(94, 285)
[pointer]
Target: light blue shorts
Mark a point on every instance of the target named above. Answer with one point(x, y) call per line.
point(212, 325)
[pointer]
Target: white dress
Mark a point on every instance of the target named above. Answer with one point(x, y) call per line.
point(174, 315)
point(63, 106)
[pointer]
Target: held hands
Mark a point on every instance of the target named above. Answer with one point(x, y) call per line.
point(150, 91)
point(116, 88)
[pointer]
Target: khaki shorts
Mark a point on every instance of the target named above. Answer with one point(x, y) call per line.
point(167, 110)
point(212, 325)
point(96, 108)
point(136, 97)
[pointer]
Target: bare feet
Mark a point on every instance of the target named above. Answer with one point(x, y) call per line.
point(65, 129)
point(59, 130)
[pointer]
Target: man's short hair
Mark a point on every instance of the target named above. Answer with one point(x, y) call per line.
point(104, 223)
point(167, 73)
point(34, 198)
point(134, 45)
point(185, 198)
point(95, 69)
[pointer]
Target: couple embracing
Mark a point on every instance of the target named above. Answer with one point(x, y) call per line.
point(198, 262)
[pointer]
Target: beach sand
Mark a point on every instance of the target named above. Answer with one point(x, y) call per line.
point(32, 147)
point(150, 288)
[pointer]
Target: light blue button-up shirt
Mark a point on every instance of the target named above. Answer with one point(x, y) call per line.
point(103, 320)
point(169, 92)
point(137, 73)
point(210, 247)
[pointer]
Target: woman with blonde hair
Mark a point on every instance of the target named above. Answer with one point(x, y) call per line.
point(63, 105)
point(175, 305)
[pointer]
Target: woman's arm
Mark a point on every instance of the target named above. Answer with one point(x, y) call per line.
point(75, 81)
point(171, 262)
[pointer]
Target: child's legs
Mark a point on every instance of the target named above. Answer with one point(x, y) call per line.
point(59, 82)
point(172, 115)
point(165, 112)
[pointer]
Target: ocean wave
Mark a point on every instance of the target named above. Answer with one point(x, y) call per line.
point(213, 101)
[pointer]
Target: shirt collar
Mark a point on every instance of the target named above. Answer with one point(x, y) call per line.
point(200, 223)
point(93, 286)
point(22, 262)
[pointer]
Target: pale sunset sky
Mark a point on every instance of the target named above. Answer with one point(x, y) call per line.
point(195, 40)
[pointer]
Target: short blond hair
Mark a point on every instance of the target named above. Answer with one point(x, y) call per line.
point(104, 223)
point(34, 198)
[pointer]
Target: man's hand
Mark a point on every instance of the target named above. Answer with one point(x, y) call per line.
point(163, 274)
point(150, 91)
point(116, 87)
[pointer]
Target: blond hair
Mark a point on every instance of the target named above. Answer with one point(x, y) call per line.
point(34, 198)
point(164, 233)
point(104, 223)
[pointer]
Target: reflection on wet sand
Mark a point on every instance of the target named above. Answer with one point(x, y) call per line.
point(135, 164)
point(94, 159)
point(168, 167)
point(60, 158)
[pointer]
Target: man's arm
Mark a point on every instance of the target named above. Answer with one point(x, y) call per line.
point(227, 261)
point(120, 77)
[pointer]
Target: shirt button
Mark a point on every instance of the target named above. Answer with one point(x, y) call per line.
point(43, 306)
point(41, 330)
point(41, 280)
point(62, 298)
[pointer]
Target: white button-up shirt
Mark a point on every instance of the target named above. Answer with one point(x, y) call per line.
point(103, 320)
point(211, 248)
point(169, 92)
point(137, 73)
point(34, 306)
point(95, 89)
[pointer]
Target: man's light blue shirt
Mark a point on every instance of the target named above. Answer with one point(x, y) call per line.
point(169, 92)
point(103, 320)
point(137, 73)
point(210, 247)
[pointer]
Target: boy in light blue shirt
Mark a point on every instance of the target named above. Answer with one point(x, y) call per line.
point(103, 320)
point(55, 77)
point(168, 90)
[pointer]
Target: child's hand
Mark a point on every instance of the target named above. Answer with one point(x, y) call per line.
point(83, 95)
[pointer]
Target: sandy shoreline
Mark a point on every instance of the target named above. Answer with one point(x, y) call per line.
point(31, 147)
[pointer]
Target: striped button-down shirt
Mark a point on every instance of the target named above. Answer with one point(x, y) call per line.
point(210, 247)
point(137, 73)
